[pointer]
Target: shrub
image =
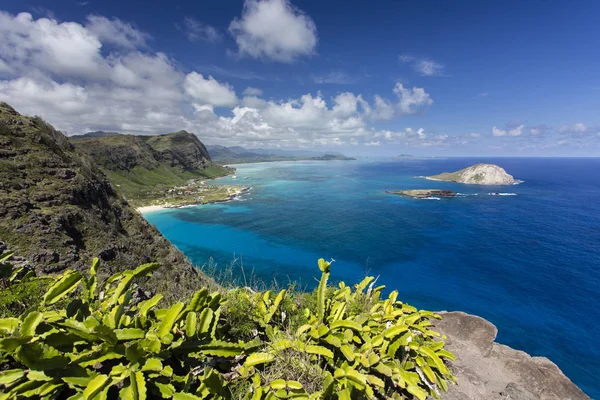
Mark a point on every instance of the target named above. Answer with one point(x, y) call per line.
point(106, 343)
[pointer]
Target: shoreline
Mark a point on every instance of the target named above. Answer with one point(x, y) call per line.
point(158, 207)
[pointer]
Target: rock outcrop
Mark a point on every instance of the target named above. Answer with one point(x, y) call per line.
point(423, 193)
point(58, 210)
point(478, 174)
point(487, 370)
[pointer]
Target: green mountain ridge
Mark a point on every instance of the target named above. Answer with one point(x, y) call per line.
point(58, 210)
point(136, 163)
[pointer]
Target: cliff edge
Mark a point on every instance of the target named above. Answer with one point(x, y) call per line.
point(58, 210)
point(486, 370)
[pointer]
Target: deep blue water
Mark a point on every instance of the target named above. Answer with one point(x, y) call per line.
point(529, 263)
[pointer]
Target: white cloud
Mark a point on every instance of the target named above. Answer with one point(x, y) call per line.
point(197, 31)
point(252, 91)
point(62, 49)
point(275, 30)
point(334, 78)
point(429, 68)
point(116, 32)
point(516, 131)
point(132, 90)
point(209, 91)
point(576, 128)
point(473, 135)
point(423, 66)
point(411, 100)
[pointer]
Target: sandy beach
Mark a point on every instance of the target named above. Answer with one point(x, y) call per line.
point(146, 209)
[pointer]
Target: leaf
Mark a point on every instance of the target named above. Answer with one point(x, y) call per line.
point(130, 333)
point(185, 396)
point(4, 257)
point(30, 323)
point(147, 305)
point(394, 331)
point(169, 320)
point(8, 325)
point(69, 282)
point(346, 324)
point(205, 320)
point(190, 324)
point(95, 386)
point(138, 385)
point(222, 349)
point(319, 350)
point(94, 268)
point(417, 392)
point(166, 390)
point(10, 376)
point(144, 270)
point(198, 300)
point(152, 364)
point(446, 354)
point(258, 358)
point(278, 384)
point(121, 288)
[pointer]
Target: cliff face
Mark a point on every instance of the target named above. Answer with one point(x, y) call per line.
point(117, 152)
point(478, 174)
point(58, 210)
point(486, 370)
point(137, 165)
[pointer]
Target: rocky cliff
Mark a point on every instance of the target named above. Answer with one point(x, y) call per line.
point(478, 174)
point(139, 164)
point(486, 370)
point(58, 210)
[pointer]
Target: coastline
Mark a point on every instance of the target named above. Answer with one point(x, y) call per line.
point(158, 207)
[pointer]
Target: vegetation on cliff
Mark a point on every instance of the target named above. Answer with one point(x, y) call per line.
point(104, 342)
point(142, 167)
point(58, 210)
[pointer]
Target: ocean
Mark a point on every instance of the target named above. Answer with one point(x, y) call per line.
point(527, 260)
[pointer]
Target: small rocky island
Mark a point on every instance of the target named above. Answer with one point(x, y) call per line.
point(478, 174)
point(423, 193)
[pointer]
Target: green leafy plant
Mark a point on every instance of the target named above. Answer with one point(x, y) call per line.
point(106, 343)
point(383, 349)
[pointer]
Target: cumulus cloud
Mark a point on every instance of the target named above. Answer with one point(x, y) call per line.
point(274, 30)
point(197, 31)
point(116, 32)
point(516, 131)
point(411, 100)
point(63, 72)
point(209, 90)
point(423, 66)
point(252, 91)
point(473, 135)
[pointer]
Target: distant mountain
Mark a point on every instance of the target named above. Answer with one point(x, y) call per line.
point(136, 164)
point(238, 155)
point(58, 210)
point(95, 134)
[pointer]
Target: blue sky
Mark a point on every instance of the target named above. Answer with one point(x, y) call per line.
point(514, 78)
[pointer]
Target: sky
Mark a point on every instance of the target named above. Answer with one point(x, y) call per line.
point(385, 77)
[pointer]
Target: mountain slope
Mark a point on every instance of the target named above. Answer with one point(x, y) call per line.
point(59, 210)
point(139, 163)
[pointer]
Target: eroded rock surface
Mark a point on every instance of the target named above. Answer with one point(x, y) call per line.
point(487, 370)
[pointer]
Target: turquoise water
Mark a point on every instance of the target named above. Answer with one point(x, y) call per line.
point(527, 261)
